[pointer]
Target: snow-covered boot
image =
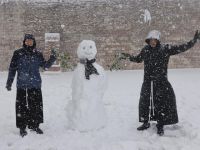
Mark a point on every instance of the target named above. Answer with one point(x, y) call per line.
point(160, 130)
point(144, 126)
point(22, 132)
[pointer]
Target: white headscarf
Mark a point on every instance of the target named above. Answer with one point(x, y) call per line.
point(154, 34)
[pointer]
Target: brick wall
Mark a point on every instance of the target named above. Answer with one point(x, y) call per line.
point(115, 26)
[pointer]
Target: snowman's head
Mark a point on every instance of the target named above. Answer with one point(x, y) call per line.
point(87, 50)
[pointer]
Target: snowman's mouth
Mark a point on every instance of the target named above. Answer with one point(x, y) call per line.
point(88, 53)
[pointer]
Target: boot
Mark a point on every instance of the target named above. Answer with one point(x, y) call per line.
point(37, 130)
point(144, 126)
point(30, 127)
point(22, 132)
point(160, 130)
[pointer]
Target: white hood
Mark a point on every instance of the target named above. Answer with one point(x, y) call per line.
point(154, 34)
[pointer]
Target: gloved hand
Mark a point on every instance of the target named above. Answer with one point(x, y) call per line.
point(8, 87)
point(197, 35)
point(125, 56)
point(53, 52)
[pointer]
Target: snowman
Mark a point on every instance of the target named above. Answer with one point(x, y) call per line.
point(85, 112)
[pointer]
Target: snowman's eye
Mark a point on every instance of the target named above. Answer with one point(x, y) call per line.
point(84, 47)
point(90, 47)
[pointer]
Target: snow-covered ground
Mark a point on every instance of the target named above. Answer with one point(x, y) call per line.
point(121, 103)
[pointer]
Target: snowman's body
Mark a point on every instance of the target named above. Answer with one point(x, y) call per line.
point(86, 111)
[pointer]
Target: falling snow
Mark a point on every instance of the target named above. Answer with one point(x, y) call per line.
point(121, 103)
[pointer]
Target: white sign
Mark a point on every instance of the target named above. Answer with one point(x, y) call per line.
point(52, 37)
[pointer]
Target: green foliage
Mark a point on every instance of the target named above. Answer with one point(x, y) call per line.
point(65, 61)
point(116, 65)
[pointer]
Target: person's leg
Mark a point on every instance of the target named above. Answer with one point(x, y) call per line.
point(21, 111)
point(160, 130)
point(31, 110)
point(144, 104)
point(35, 109)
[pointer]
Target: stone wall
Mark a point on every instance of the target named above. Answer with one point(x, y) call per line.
point(116, 26)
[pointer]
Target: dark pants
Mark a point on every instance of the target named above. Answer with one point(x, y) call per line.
point(29, 108)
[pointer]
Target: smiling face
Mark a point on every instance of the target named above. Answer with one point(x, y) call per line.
point(87, 50)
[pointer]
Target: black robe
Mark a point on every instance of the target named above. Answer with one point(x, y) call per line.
point(155, 72)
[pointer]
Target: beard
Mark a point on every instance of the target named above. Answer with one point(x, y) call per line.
point(29, 48)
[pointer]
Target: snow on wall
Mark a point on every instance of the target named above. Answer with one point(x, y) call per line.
point(117, 25)
point(147, 16)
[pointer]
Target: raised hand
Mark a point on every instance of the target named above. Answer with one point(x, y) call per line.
point(53, 52)
point(197, 35)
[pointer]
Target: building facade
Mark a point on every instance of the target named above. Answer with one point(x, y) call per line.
point(116, 26)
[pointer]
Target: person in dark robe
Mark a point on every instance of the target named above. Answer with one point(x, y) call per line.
point(26, 62)
point(157, 97)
